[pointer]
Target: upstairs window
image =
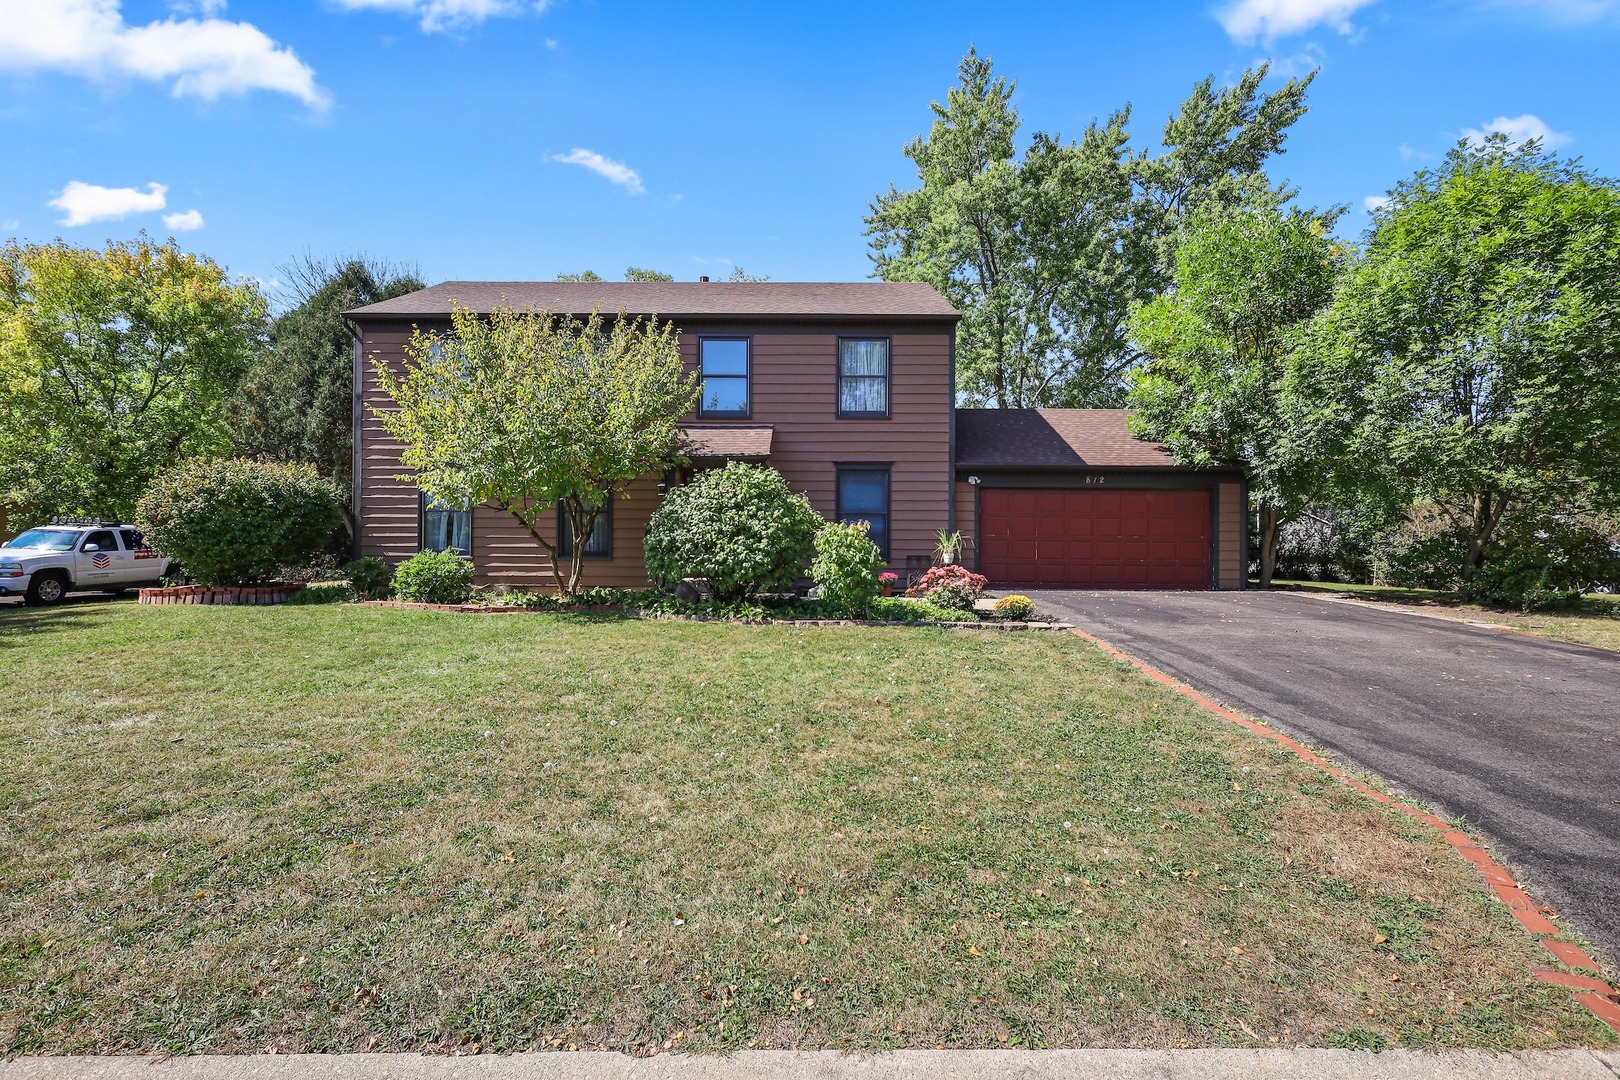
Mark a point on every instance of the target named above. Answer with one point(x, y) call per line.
point(863, 495)
point(863, 377)
point(599, 545)
point(445, 527)
point(723, 374)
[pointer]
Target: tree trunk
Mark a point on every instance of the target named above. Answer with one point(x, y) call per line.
point(1488, 509)
point(1270, 530)
point(581, 522)
point(551, 551)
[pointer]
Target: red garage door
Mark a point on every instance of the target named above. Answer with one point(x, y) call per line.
point(1119, 539)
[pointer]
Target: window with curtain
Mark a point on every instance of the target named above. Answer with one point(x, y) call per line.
point(723, 371)
point(598, 545)
point(863, 495)
point(446, 528)
point(863, 376)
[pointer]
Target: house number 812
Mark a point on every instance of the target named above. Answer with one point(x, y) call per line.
point(1096, 479)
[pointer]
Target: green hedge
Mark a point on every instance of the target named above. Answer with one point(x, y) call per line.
point(238, 521)
point(740, 529)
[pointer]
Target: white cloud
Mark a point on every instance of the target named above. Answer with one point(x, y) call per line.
point(187, 221)
point(203, 58)
point(1521, 129)
point(10, 225)
point(437, 15)
point(616, 171)
point(86, 203)
point(1374, 202)
point(1248, 21)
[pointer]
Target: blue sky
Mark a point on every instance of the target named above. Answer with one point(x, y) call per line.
point(509, 139)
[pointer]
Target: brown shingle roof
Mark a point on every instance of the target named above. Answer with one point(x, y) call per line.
point(1045, 438)
point(730, 443)
point(767, 299)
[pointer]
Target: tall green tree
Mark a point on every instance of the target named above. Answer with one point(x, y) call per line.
point(631, 273)
point(296, 401)
point(1046, 253)
point(1219, 342)
point(531, 411)
point(114, 363)
point(1471, 356)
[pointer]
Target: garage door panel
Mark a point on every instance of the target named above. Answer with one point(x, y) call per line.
point(1112, 539)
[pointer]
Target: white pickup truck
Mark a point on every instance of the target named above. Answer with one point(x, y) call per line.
point(45, 564)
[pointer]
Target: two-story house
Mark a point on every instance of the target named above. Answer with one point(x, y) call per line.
point(848, 390)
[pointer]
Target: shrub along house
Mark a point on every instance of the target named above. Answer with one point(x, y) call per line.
point(847, 389)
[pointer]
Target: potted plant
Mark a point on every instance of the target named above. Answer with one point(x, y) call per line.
point(949, 546)
point(887, 580)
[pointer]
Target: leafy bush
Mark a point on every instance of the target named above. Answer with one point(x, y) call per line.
point(1015, 607)
point(846, 567)
point(322, 594)
point(236, 521)
point(322, 567)
point(739, 529)
point(949, 586)
point(1325, 543)
point(1535, 566)
point(1426, 551)
point(434, 577)
point(371, 578)
point(902, 609)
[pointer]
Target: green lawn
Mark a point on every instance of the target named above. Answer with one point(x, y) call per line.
point(339, 828)
point(1594, 621)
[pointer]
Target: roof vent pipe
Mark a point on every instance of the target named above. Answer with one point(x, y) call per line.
point(705, 277)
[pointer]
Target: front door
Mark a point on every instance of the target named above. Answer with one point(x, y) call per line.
point(100, 562)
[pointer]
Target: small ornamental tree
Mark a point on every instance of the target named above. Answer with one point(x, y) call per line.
point(531, 411)
point(740, 529)
point(239, 522)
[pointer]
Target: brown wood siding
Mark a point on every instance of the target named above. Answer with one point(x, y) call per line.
point(1229, 536)
point(967, 522)
point(793, 389)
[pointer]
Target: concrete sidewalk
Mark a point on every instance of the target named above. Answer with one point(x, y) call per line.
point(828, 1065)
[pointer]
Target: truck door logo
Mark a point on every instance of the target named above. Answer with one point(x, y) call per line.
point(100, 560)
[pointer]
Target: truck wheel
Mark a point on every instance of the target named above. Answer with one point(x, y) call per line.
point(45, 588)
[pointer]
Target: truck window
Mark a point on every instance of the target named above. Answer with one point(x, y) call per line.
point(103, 539)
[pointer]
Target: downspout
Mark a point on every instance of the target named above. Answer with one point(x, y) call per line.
point(950, 457)
point(356, 420)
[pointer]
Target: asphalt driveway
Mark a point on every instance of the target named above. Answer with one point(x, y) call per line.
point(1519, 736)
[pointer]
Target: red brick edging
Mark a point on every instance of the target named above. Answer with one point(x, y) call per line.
point(250, 595)
point(1597, 995)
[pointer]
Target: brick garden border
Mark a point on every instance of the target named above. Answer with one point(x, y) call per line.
point(596, 609)
point(244, 595)
point(1596, 994)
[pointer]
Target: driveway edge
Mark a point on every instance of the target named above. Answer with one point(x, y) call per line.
point(1595, 994)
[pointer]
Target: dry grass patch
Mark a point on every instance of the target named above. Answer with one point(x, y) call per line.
point(1594, 621)
point(341, 828)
